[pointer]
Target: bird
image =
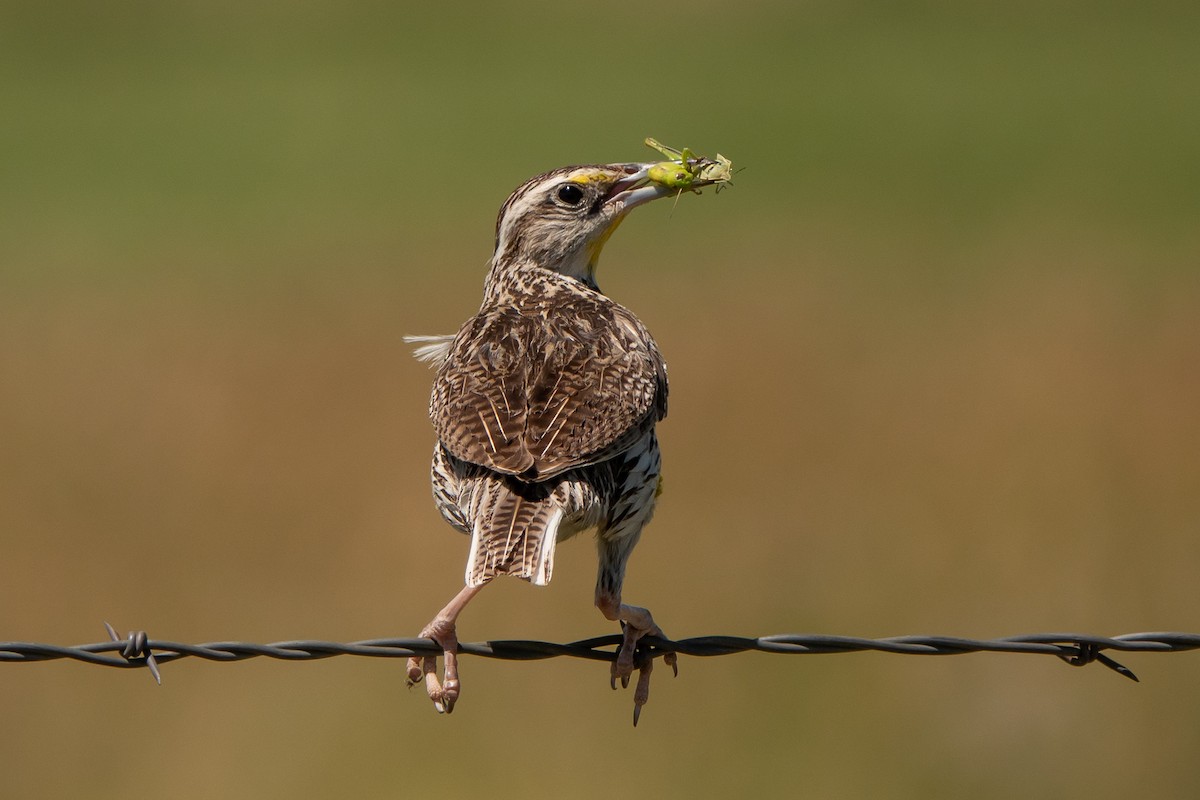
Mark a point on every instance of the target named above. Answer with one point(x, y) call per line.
point(544, 405)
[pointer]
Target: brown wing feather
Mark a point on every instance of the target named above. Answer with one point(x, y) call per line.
point(536, 391)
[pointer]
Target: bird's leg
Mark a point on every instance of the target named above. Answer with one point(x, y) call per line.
point(636, 622)
point(442, 630)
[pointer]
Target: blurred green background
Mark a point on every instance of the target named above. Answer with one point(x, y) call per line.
point(935, 367)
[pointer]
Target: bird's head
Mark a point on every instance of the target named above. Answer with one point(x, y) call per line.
point(561, 220)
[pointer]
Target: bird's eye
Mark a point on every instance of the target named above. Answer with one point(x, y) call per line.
point(570, 194)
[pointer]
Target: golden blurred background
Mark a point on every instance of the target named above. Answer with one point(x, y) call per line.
point(935, 366)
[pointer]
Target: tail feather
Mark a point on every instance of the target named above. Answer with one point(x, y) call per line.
point(433, 350)
point(515, 531)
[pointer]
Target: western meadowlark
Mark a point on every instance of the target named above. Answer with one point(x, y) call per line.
point(544, 405)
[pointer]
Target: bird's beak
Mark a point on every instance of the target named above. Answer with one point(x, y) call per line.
point(633, 187)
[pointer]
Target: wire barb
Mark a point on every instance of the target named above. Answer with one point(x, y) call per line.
point(1089, 652)
point(138, 650)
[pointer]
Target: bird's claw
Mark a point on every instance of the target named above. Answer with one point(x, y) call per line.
point(634, 656)
point(443, 693)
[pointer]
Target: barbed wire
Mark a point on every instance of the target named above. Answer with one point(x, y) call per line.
point(137, 650)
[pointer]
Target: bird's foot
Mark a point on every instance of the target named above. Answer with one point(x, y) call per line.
point(444, 693)
point(635, 624)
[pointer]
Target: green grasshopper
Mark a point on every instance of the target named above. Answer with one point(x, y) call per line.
point(687, 171)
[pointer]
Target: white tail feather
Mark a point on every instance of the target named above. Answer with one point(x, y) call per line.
point(432, 350)
point(545, 559)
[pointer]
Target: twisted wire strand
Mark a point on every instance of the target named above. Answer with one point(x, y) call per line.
point(138, 650)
